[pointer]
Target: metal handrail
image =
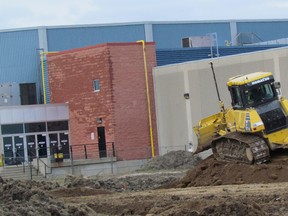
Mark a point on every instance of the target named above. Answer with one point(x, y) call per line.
point(45, 165)
point(85, 149)
point(22, 161)
point(91, 144)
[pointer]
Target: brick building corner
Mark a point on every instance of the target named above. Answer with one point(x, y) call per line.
point(119, 107)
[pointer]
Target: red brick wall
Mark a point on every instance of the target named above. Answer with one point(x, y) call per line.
point(71, 76)
point(121, 101)
point(132, 134)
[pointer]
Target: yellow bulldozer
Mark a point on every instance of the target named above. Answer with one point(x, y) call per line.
point(254, 125)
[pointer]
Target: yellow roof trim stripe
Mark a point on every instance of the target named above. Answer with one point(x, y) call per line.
point(244, 79)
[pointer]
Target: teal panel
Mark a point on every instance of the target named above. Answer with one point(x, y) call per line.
point(60, 39)
point(19, 60)
point(269, 30)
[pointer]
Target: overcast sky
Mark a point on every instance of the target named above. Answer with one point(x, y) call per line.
point(33, 13)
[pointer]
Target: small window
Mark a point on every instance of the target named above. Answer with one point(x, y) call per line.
point(57, 126)
point(35, 127)
point(12, 128)
point(96, 86)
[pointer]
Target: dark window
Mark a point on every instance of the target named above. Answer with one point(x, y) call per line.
point(260, 94)
point(28, 93)
point(12, 129)
point(35, 127)
point(57, 126)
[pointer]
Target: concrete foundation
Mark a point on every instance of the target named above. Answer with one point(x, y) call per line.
point(94, 168)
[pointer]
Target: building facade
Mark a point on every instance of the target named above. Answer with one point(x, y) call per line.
point(105, 88)
point(119, 114)
point(20, 58)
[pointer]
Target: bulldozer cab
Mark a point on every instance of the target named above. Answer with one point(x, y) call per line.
point(248, 91)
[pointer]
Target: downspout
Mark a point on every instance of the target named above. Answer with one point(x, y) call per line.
point(43, 73)
point(148, 97)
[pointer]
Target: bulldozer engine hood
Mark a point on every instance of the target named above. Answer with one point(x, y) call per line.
point(273, 116)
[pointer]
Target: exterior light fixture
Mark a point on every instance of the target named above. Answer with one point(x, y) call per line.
point(99, 120)
point(186, 96)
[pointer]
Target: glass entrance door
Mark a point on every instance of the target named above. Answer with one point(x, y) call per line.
point(19, 149)
point(31, 146)
point(8, 150)
point(13, 150)
point(42, 145)
point(59, 143)
point(64, 141)
point(54, 145)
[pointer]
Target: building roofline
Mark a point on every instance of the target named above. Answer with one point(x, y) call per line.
point(19, 29)
point(98, 46)
point(143, 23)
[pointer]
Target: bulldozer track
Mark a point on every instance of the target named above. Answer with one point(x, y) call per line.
point(244, 148)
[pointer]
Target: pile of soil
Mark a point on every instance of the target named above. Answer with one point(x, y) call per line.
point(122, 183)
point(211, 172)
point(32, 198)
point(219, 190)
point(172, 160)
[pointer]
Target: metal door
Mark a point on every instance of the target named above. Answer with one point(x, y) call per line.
point(101, 142)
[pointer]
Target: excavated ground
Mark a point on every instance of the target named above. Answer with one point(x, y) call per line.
point(162, 187)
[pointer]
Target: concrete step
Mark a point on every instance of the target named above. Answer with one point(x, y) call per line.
point(18, 172)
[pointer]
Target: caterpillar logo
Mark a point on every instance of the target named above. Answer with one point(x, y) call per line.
point(260, 80)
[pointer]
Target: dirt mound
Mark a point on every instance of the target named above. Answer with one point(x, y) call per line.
point(211, 206)
point(173, 160)
point(99, 195)
point(213, 172)
point(32, 198)
point(221, 200)
point(132, 182)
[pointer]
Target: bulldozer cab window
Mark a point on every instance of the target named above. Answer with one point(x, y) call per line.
point(236, 98)
point(259, 94)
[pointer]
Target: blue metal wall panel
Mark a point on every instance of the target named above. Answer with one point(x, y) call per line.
point(60, 39)
point(269, 30)
point(19, 57)
point(174, 56)
point(170, 35)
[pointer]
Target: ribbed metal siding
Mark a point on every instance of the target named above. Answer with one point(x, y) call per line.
point(265, 30)
point(173, 56)
point(170, 35)
point(18, 57)
point(60, 39)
